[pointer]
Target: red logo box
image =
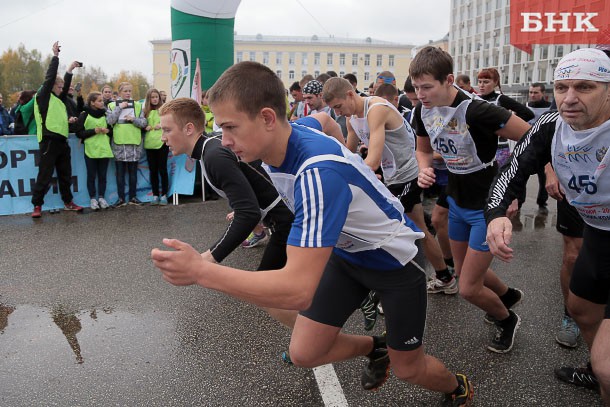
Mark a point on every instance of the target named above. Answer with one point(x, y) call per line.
point(559, 22)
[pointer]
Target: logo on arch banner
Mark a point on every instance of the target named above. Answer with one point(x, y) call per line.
point(559, 22)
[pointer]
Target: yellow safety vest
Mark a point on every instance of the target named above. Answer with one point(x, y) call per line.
point(56, 120)
point(97, 146)
point(152, 139)
point(127, 133)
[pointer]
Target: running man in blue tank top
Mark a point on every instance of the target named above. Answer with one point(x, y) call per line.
point(349, 236)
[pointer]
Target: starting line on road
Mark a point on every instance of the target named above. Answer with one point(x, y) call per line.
point(330, 388)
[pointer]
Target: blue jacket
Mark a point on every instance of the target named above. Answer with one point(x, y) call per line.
point(5, 121)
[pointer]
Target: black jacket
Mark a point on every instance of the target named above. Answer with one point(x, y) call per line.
point(530, 155)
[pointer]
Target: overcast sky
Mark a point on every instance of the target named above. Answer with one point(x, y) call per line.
point(115, 34)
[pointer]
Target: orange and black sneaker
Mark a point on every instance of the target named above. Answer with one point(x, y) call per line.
point(463, 395)
point(377, 370)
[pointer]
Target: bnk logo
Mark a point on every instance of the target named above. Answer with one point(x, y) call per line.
point(558, 22)
point(562, 22)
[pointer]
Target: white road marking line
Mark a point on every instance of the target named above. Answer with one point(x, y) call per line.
point(330, 388)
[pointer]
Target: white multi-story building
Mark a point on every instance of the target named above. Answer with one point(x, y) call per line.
point(479, 37)
point(292, 57)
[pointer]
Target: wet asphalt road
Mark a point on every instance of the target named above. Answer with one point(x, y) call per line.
point(86, 320)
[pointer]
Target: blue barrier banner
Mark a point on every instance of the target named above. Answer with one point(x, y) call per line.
point(19, 156)
point(181, 170)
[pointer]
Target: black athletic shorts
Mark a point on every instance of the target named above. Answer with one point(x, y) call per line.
point(591, 275)
point(442, 197)
point(402, 292)
point(569, 222)
point(274, 256)
point(409, 193)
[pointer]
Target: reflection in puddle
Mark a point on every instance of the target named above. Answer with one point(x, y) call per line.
point(5, 311)
point(70, 325)
point(532, 221)
point(31, 335)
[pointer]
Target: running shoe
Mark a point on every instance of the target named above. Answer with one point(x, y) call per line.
point(578, 376)
point(505, 334)
point(463, 395)
point(155, 200)
point(37, 213)
point(103, 203)
point(163, 200)
point(119, 203)
point(72, 207)
point(255, 240)
point(568, 333)
point(377, 370)
point(436, 286)
point(516, 300)
point(135, 201)
point(94, 204)
point(286, 357)
point(369, 310)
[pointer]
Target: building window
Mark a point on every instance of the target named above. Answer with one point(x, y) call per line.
point(303, 73)
point(354, 59)
point(239, 56)
point(341, 59)
point(329, 59)
point(517, 77)
point(279, 73)
point(391, 60)
point(304, 59)
point(316, 74)
point(367, 60)
point(291, 58)
point(379, 60)
point(252, 56)
point(265, 58)
point(316, 58)
point(541, 75)
point(290, 74)
point(278, 58)
point(341, 74)
point(367, 76)
point(558, 51)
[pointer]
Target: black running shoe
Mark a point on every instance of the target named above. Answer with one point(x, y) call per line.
point(463, 395)
point(509, 305)
point(376, 372)
point(578, 376)
point(505, 334)
point(369, 310)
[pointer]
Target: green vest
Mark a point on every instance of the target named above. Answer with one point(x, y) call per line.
point(152, 139)
point(97, 146)
point(56, 120)
point(127, 133)
point(209, 119)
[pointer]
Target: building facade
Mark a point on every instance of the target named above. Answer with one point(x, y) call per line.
point(479, 37)
point(292, 57)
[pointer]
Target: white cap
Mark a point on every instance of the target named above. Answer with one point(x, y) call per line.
point(586, 63)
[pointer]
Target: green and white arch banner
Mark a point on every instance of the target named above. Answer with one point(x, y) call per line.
point(201, 29)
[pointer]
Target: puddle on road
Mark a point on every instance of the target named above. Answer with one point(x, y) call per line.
point(32, 336)
point(533, 221)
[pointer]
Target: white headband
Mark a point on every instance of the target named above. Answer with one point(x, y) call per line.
point(586, 63)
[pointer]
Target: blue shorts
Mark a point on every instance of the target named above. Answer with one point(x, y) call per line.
point(467, 225)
